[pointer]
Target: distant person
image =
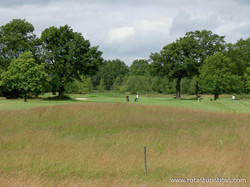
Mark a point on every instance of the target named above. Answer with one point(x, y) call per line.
point(136, 98)
point(127, 98)
point(199, 98)
point(233, 97)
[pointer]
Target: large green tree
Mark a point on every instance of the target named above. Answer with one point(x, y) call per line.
point(68, 55)
point(185, 57)
point(217, 76)
point(25, 76)
point(17, 37)
point(240, 55)
point(111, 70)
point(207, 44)
point(176, 61)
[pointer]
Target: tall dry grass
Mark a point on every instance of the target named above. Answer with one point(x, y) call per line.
point(102, 145)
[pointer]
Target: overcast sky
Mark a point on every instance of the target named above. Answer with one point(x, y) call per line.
point(132, 29)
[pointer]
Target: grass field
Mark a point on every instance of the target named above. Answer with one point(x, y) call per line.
point(93, 143)
point(225, 104)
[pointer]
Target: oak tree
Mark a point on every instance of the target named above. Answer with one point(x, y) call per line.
point(68, 55)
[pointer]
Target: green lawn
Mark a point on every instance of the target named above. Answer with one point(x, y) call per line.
point(224, 104)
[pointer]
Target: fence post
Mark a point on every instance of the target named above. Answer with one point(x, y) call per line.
point(145, 160)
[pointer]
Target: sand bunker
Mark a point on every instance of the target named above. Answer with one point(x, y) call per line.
point(81, 99)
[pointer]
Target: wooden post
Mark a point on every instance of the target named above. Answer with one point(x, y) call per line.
point(145, 160)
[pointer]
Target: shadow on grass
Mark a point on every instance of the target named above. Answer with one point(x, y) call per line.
point(187, 99)
point(57, 98)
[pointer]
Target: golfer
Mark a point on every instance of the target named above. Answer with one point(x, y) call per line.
point(127, 98)
point(136, 98)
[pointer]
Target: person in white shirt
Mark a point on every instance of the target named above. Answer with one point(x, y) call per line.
point(233, 97)
point(136, 98)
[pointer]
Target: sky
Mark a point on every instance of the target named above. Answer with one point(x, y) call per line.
point(133, 29)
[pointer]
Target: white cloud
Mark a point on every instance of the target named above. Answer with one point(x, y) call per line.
point(118, 35)
point(190, 21)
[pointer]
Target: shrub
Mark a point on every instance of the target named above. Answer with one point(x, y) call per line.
point(82, 86)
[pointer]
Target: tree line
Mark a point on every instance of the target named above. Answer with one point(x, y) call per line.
point(63, 61)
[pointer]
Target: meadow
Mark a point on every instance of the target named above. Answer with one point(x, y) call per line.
point(99, 141)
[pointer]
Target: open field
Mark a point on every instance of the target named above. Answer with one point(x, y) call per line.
point(101, 144)
point(225, 104)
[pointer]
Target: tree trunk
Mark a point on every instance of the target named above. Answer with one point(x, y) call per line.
point(178, 88)
point(61, 90)
point(196, 88)
point(25, 98)
point(216, 96)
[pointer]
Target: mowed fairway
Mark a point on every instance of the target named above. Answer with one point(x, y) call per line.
point(101, 144)
point(225, 104)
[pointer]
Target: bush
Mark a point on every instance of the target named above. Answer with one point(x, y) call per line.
point(82, 86)
point(163, 85)
point(117, 84)
point(101, 87)
point(137, 84)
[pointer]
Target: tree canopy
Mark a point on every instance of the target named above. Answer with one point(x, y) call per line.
point(184, 57)
point(25, 76)
point(139, 67)
point(176, 60)
point(240, 55)
point(200, 58)
point(206, 44)
point(111, 70)
point(16, 38)
point(217, 76)
point(68, 55)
